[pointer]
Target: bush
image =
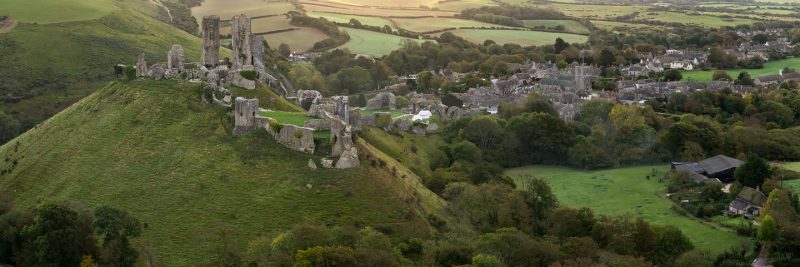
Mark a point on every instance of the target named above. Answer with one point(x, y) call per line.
point(249, 74)
point(382, 120)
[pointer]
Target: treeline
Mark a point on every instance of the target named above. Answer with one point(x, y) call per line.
point(336, 36)
point(339, 72)
point(60, 235)
point(510, 15)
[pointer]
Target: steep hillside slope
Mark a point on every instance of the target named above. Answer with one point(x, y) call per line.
point(156, 150)
point(47, 66)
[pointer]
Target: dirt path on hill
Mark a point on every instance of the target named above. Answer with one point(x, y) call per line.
point(7, 24)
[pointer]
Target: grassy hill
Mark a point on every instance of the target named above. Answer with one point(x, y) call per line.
point(48, 66)
point(156, 150)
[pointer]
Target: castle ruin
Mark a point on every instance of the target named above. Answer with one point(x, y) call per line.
point(210, 56)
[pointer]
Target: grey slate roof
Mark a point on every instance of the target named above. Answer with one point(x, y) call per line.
point(752, 196)
point(719, 163)
point(739, 204)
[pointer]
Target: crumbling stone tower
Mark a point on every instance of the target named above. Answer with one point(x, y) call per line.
point(175, 58)
point(141, 66)
point(245, 111)
point(241, 40)
point(210, 56)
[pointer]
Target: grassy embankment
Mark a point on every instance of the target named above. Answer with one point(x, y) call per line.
point(154, 149)
point(627, 191)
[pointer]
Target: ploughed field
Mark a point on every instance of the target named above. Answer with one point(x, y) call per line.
point(626, 191)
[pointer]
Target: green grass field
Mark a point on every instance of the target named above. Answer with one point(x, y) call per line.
point(284, 117)
point(343, 18)
point(700, 20)
point(226, 9)
point(374, 43)
point(770, 68)
point(614, 25)
point(435, 24)
point(518, 37)
point(626, 191)
point(795, 184)
point(570, 26)
point(302, 39)
point(52, 11)
point(156, 150)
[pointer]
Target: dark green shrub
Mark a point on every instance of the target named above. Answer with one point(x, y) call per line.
point(249, 74)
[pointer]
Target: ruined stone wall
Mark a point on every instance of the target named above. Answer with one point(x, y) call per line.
point(141, 66)
point(210, 56)
point(241, 41)
point(175, 58)
point(245, 111)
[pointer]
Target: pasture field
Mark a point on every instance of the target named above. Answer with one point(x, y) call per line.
point(519, 37)
point(262, 25)
point(770, 68)
point(435, 24)
point(596, 11)
point(570, 26)
point(794, 184)
point(226, 9)
point(373, 43)
point(155, 149)
point(319, 6)
point(614, 25)
point(384, 3)
point(793, 166)
point(459, 5)
point(302, 39)
point(627, 191)
point(700, 20)
point(345, 18)
point(53, 11)
point(287, 117)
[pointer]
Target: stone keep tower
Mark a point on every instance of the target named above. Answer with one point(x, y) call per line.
point(210, 56)
point(175, 57)
point(245, 111)
point(241, 36)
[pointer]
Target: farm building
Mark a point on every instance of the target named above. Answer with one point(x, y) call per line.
point(748, 202)
point(718, 167)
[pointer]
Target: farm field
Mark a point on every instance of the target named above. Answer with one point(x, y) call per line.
point(226, 9)
point(570, 26)
point(794, 184)
point(596, 11)
point(459, 5)
point(626, 191)
point(612, 25)
point(53, 11)
point(384, 3)
point(345, 18)
point(436, 24)
point(516, 36)
point(319, 6)
point(700, 20)
point(262, 25)
point(302, 39)
point(770, 68)
point(373, 43)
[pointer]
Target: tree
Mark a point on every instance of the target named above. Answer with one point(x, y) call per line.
point(59, 236)
point(673, 75)
point(543, 138)
point(670, 242)
point(607, 58)
point(466, 150)
point(9, 127)
point(744, 79)
point(720, 75)
point(483, 260)
point(325, 257)
point(401, 102)
point(753, 172)
point(539, 197)
point(451, 100)
point(116, 228)
point(768, 230)
point(284, 50)
point(560, 45)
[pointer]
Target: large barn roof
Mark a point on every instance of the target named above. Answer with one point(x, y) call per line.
point(719, 163)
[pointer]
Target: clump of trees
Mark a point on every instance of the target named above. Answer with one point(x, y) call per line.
point(59, 235)
point(336, 36)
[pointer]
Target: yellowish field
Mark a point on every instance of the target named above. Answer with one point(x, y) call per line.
point(384, 3)
point(700, 20)
point(434, 24)
point(262, 25)
point(319, 6)
point(596, 11)
point(345, 18)
point(518, 37)
point(459, 5)
point(226, 9)
point(611, 25)
point(302, 39)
